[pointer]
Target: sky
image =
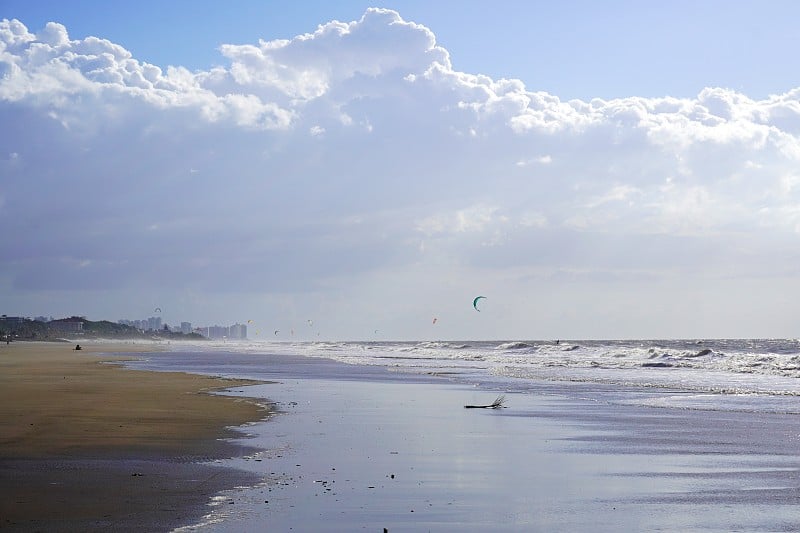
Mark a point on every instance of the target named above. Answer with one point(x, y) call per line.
point(353, 170)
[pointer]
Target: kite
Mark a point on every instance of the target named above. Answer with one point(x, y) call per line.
point(157, 310)
point(277, 331)
point(434, 320)
point(475, 303)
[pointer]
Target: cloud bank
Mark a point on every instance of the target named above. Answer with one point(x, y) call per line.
point(338, 172)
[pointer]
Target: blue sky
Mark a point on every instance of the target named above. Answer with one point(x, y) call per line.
point(596, 170)
point(573, 49)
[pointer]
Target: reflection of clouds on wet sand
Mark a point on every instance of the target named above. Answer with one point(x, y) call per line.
point(355, 447)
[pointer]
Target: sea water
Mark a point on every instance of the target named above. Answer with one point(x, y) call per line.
point(759, 375)
point(600, 435)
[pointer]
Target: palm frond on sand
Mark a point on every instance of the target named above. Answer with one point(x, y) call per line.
point(497, 404)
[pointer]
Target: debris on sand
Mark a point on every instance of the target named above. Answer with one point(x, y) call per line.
point(497, 404)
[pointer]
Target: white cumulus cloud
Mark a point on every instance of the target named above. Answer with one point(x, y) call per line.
point(246, 178)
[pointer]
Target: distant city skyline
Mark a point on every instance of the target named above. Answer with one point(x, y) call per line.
point(155, 324)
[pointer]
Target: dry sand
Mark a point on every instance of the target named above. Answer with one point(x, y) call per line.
point(91, 446)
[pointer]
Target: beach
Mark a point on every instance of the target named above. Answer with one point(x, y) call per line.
point(91, 446)
point(354, 447)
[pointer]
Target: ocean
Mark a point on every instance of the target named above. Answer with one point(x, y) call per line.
point(758, 375)
point(671, 435)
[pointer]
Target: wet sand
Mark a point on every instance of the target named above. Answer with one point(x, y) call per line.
point(91, 446)
point(363, 456)
point(363, 449)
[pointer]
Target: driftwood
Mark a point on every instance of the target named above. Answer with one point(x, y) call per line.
point(498, 404)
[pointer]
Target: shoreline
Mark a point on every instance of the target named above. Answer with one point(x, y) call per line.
point(86, 445)
point(363, 448)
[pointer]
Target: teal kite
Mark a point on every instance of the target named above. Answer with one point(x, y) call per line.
point(475, 303)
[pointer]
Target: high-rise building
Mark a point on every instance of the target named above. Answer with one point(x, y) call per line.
point(238, 331)
point(154, 323)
